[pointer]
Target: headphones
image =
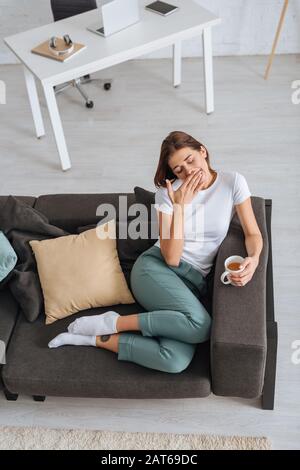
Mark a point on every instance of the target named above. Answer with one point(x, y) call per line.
point(59, 52)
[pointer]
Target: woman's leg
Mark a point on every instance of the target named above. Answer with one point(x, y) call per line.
point(162, 354)
point(173, 310)
point(176, 320)
point(170, 296)
point(109, 342)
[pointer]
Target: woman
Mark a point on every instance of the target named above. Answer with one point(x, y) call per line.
point(169, 278)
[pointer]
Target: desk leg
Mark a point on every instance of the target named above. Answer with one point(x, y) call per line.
point(57, 127)
point(177, 63)
point(34, 103)
point(208, 70)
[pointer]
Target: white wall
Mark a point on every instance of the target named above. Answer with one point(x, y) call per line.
point(248, 26)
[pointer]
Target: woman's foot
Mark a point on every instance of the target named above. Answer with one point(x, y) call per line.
point(68, 338)
point(96, 325)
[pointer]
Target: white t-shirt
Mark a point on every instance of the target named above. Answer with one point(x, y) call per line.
point(207, 217)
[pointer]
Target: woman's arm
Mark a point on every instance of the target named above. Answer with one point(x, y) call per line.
point(253, 242)
point(254, 245)
point(171, 230)
point(171, 227)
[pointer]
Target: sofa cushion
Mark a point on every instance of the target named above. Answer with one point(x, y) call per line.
point(9, 311)
point(128, 248)
point(80, 271)
point(147, 199)
point(80, 371)
point(143, 196)
point(70, 211)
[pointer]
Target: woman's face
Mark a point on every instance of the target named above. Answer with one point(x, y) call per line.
point(184, 161)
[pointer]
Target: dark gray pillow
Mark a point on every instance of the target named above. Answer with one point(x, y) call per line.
point(22, 223)
point(143, 196)
point(147, 198)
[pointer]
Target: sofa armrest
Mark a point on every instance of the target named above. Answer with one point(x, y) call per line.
point(238, 338)
point(8, 316)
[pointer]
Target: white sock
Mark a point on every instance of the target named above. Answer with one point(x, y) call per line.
point(68, 338)
point(103, 324)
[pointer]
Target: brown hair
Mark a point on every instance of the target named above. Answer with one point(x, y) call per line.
point(176, 140)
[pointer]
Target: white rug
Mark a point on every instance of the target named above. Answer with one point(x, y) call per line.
point(25, 438)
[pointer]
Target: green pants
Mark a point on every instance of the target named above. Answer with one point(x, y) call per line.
point(175, 320)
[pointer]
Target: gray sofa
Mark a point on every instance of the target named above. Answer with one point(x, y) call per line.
point(239, 360)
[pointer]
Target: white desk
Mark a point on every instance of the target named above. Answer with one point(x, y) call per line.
point(151, 33)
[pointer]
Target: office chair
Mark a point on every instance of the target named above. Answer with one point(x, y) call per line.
point(62, 9)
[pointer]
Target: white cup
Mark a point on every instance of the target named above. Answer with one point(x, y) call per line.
point(231, 259)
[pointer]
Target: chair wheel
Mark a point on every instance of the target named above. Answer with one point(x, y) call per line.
point(89, 104)
point(107, 86)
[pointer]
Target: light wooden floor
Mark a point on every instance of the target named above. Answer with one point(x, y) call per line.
point(254, 130)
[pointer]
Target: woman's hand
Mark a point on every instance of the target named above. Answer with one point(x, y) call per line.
point(188, 190)
point(250, 264)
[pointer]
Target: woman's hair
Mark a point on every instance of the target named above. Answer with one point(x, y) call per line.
point(176, 140)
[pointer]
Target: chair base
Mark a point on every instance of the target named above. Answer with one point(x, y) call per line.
point(78, 82)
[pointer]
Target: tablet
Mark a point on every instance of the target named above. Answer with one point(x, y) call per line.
point(162, 8)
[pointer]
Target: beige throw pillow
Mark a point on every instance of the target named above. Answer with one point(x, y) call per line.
point(78, 272)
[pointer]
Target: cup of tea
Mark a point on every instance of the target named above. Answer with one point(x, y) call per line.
point(232, 266)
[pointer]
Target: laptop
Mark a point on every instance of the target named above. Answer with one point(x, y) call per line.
point(116, 15)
